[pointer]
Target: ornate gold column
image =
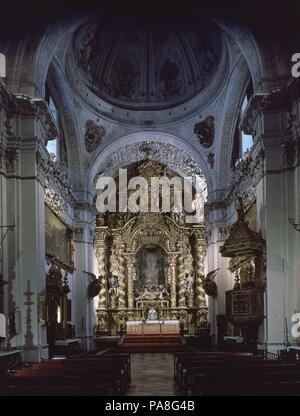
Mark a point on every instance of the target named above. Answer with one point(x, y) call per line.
point(181, 245)
point(100, 243)
point(172, 271)
point(200, 252)
point(120, 246)
point(131, 271)
point(114, 270)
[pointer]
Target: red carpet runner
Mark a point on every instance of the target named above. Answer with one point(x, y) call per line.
point(152, 342)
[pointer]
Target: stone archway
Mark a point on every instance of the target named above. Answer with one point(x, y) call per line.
point(164, 148)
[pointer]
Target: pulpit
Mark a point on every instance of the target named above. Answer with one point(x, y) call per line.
point(245, 302)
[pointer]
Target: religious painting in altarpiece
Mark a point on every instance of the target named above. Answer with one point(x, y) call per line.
point(58, 239)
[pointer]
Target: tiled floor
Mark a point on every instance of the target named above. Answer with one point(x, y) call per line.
point(152, 375)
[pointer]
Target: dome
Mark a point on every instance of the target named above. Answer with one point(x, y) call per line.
point(147, 66)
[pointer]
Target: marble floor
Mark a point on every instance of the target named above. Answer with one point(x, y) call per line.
point(152, 375)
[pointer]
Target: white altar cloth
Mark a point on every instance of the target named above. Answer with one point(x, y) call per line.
point(170, 326)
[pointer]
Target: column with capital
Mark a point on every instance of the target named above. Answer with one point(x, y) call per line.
point(31, 173)
point(275, 131)
point(209, 240)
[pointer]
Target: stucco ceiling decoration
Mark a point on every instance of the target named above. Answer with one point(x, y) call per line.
point(146, 67)
point(164, 154)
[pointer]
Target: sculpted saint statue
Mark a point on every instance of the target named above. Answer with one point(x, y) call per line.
point(189, 281)
point(163, 293)
point(113, 284)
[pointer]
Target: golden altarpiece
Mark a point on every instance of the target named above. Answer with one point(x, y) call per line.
point(150, 261)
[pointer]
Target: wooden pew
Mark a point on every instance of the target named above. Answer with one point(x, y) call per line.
point(258, 383)
point(94, 374)
point(183, 363)
point(235, 370)
point(54, 390)
point(181, 356)
point(100, 364)
point(114, 356)
point(235, 374)
point(110, 383)
point(98, 373)
point(85, 370)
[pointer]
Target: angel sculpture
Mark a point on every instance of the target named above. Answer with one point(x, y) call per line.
point(95, 285)
point(209, 285)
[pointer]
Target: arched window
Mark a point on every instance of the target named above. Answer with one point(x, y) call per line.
point(242, 142)
point(57, 145)
point(246, 139)
point(53, 145)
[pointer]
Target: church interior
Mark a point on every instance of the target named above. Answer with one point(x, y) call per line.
point(154, 298)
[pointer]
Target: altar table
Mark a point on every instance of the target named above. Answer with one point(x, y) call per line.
point(153, 327)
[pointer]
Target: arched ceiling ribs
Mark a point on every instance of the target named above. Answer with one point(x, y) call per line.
point(63, 99)
point(231, 105)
